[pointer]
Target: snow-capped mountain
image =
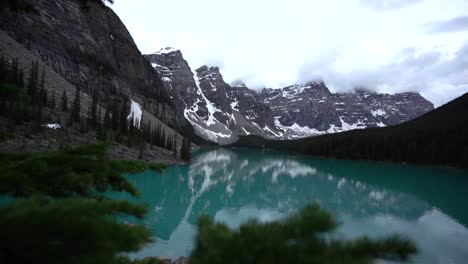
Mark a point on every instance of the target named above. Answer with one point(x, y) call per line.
point(220, 112)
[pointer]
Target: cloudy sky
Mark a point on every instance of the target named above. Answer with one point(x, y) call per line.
point(383, 45)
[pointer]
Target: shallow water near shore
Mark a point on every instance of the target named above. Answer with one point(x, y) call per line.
point(427, 204)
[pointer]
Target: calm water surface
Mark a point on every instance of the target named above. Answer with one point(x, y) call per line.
point(426, 204)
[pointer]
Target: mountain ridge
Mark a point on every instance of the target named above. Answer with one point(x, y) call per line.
point(439, 137)
point(222, 112)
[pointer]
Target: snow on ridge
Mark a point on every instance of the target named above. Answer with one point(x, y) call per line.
point(245, 131)
point(209, 105)
point(210, 134)
point(345, 126)
point(296, 131)
point(378, 112)
point(166, 50)
point(381, 124)
point(266, 128)
point(234, 105)
point(136, 112)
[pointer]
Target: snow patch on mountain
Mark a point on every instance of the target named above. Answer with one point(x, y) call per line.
point(380, 124)
point(234, 105)
point(245, 131)
point(52, 126)
point(166, 50)
point(295, 131)
point(267, 129)
point(378, 112)
point(136, 113)
point(212, 135)
point(212, 109)
point(345, 126)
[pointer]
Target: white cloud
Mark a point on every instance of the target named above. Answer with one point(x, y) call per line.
point(384, 44)
point(385, 5)
point(451, 25)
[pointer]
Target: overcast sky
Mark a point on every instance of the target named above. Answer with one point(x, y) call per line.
point(383, 45)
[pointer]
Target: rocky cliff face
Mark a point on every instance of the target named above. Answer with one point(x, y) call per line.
point(311, 109)
point(220, 112)
point(90, 47)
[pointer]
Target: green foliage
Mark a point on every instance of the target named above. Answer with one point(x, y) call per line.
point(301, 238)
point(19, 102)
point(62, 215)
point(68, 230)
point(85, 171)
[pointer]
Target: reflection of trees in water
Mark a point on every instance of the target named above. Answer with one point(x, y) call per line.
point(286, 183)
point(224, 179)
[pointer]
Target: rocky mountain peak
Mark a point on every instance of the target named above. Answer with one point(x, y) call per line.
point(209, 72)
point(238, 83)
point(167, 50)
point(221, 112)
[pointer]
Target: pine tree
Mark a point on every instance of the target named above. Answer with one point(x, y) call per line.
point(124, 113)
point(185, 150)
point(106, 124)
point(83, 125)
point(42, 89)
point(3, 70)
point(33, 81)
point(20, 81)
point(64, 102)
point(114, 115)
point(99, 127)
point(141, 149)
point(157, 135)
point(131, 133)
point(76, 108)
point(174, 147)
point(52, 100)
point(304, 237)
point(147, 132)
point(163, 138)
point(48, 218)
point(93, 110)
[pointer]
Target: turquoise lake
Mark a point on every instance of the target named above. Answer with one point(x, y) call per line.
point(427, 204)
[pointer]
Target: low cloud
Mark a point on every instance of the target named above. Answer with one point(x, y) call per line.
point(438, 78)
point(452, 25)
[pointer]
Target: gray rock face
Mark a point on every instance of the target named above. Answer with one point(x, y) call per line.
point(220, 112)
point(90, 47)
point(313, 109)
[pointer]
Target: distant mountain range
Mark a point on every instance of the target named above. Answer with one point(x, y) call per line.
point(437, 137)
point(221, 112)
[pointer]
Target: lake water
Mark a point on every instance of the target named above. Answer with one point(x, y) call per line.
point(425, 203)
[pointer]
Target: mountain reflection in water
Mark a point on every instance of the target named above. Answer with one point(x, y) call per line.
point(426, 204)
